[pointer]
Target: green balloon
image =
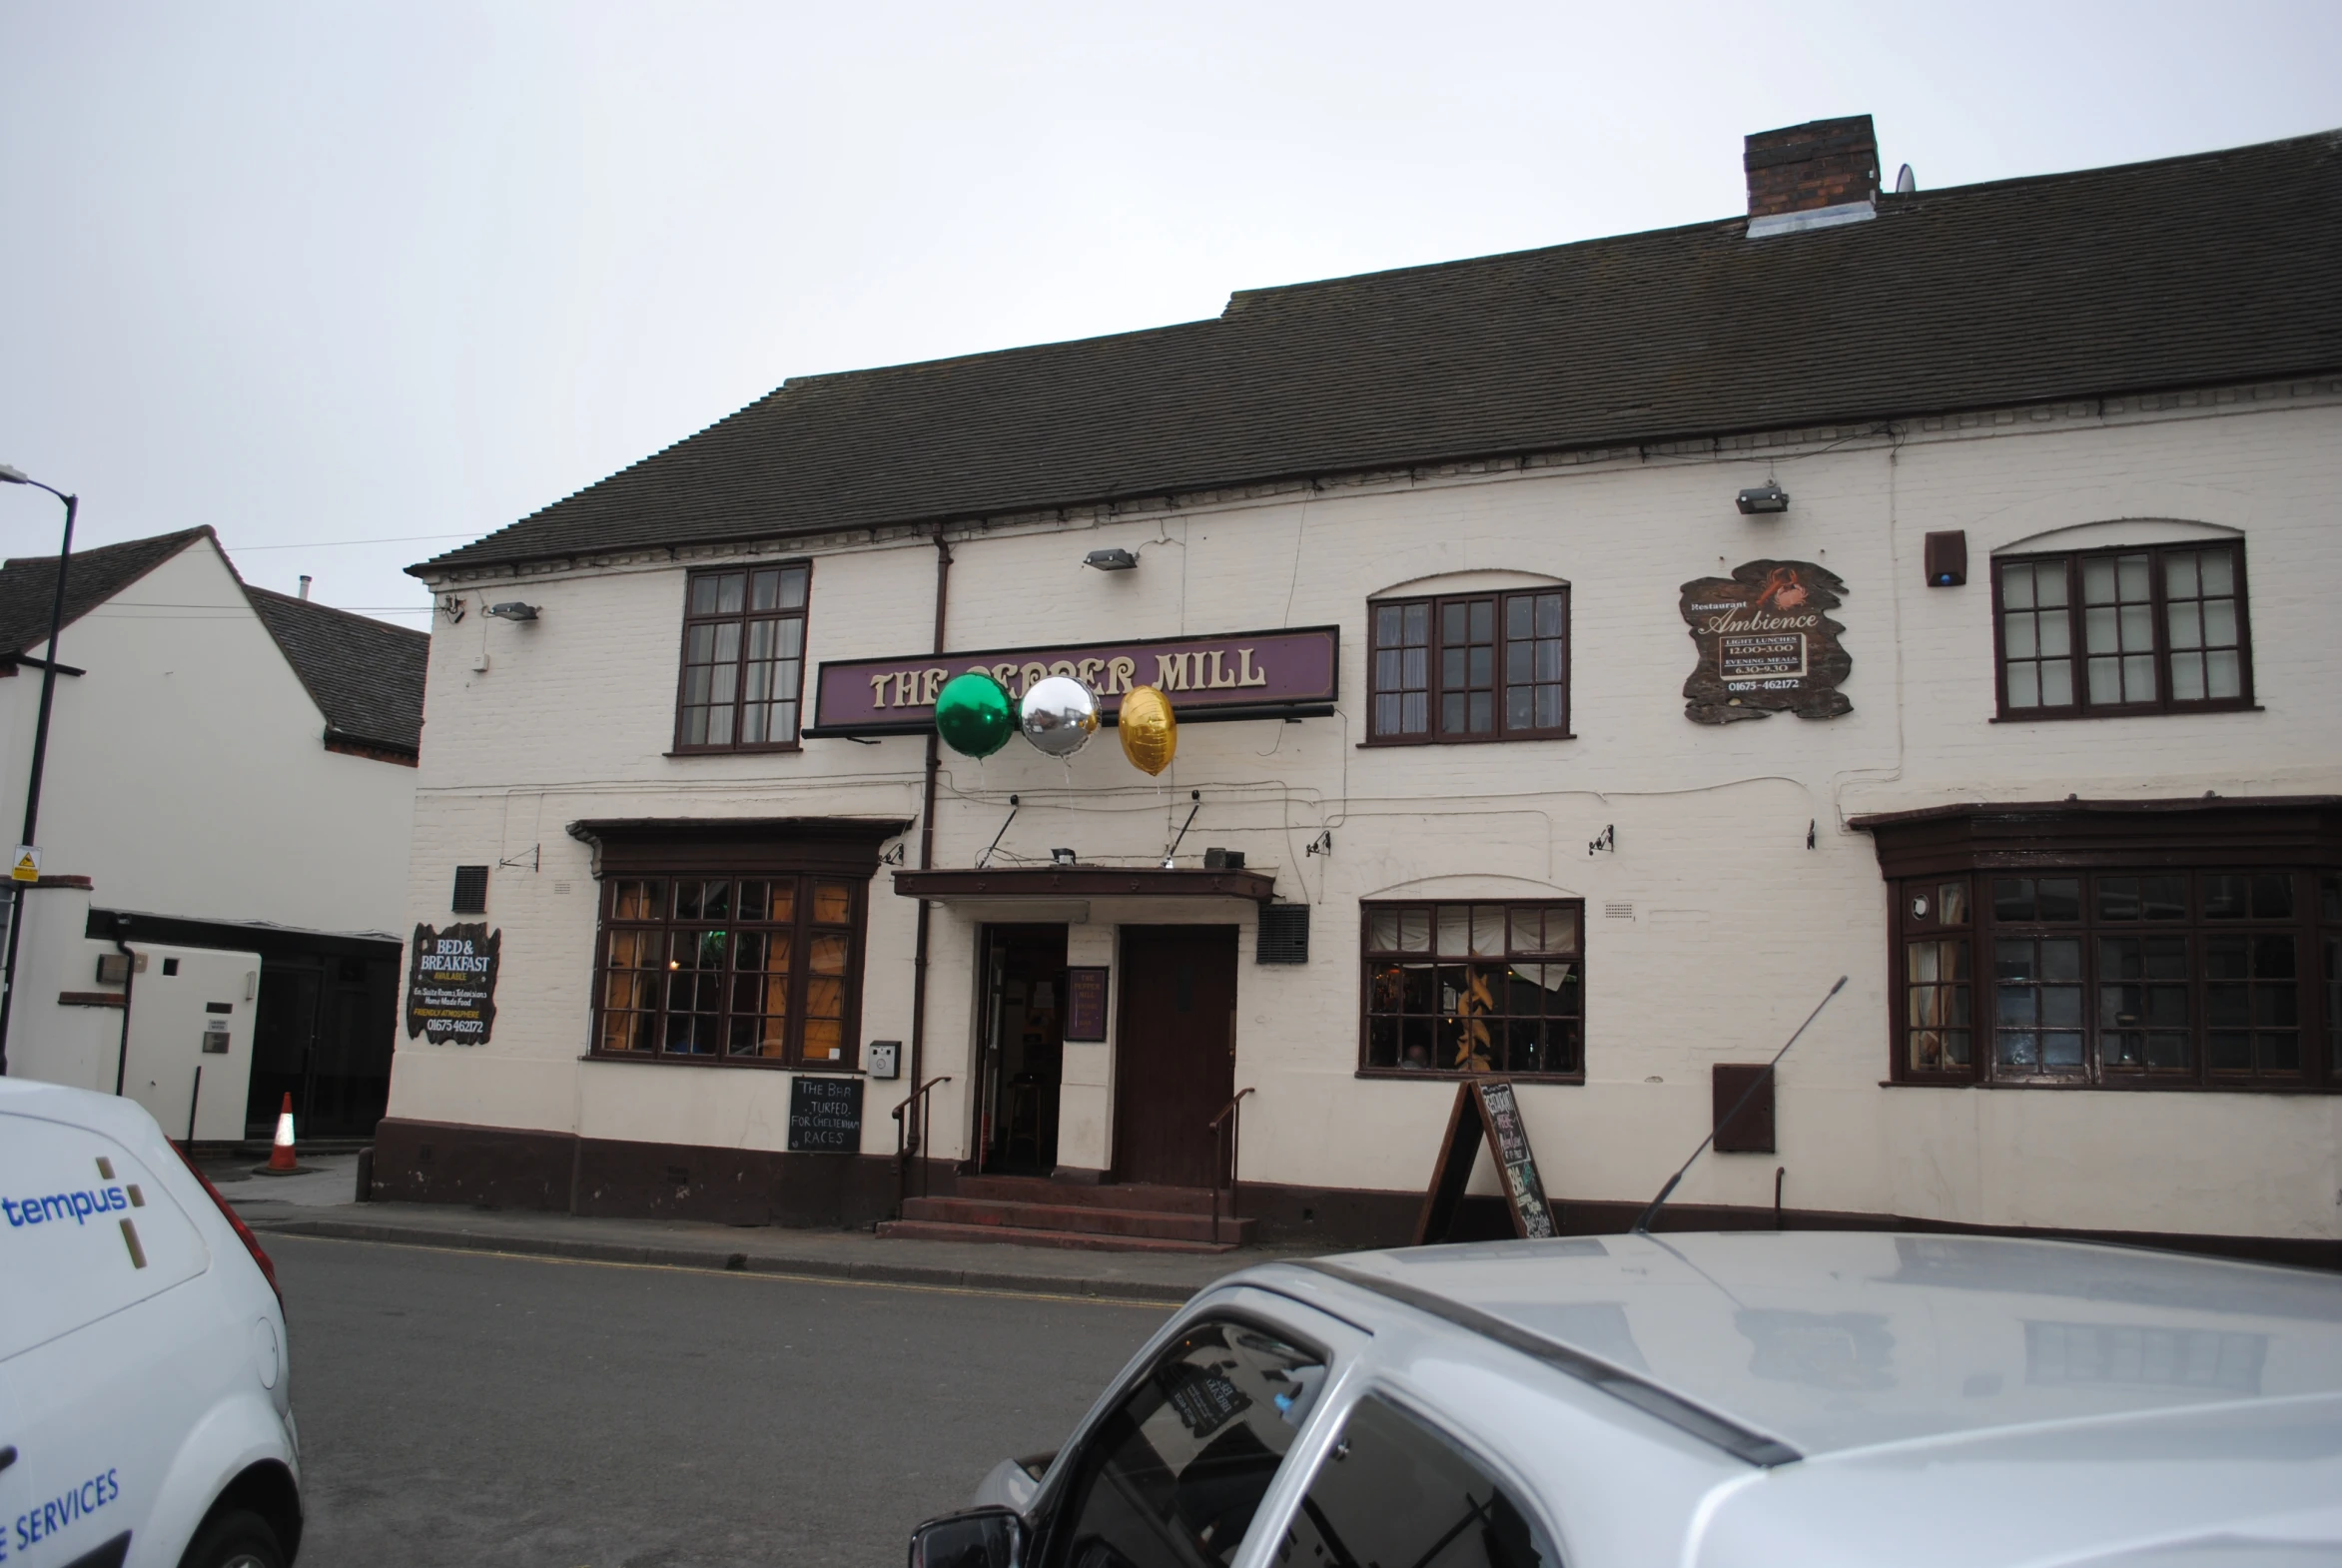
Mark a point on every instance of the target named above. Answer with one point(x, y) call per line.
point(974, 714)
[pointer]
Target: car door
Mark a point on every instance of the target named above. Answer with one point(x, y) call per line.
point(1173, 1469)
point(100, 1364)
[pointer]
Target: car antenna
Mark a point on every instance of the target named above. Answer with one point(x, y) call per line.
point(1642, 1226)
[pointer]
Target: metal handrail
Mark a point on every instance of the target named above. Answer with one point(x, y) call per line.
point(910, 1138)
point(1227, 1148)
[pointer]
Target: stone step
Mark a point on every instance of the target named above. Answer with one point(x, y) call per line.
point(938, 1230)
point(1155, 1223)
point(1101, 1195)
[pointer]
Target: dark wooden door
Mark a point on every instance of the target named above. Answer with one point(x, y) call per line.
point(1175, 1050)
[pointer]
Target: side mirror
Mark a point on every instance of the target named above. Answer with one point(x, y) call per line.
point(978, 1538)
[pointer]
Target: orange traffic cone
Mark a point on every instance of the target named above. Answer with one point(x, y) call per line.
point(281, 1156)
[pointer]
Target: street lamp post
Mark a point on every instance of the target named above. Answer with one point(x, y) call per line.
point(32, 793)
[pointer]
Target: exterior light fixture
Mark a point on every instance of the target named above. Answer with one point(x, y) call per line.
point(1062, 857)
point(1763, 499)
point(511, 609)
point(1111, 560)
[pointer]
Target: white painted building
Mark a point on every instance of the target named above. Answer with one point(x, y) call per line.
point(2073, 832)
point(228, 800)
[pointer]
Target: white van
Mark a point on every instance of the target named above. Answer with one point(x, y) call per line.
point(145, 1404)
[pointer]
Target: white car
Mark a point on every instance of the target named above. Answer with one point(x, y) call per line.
point(1710, 1401)
point(145, 1404)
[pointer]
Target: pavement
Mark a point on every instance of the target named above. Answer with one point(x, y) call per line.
point(480, 1408)
point(320, 1203)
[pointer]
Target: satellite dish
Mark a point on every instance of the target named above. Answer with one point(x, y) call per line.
point(1905, 181)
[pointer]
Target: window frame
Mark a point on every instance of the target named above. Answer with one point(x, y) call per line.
point(1369, 956)
point(2090, 841)
point(750, 849)
point(2159, 602)
point(802, 929)
point(803, 615)
point(1434, 687)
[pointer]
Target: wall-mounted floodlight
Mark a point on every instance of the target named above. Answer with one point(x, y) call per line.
point(511, 609)
point(1111, 560)
point(1766, 498)
point(1061, 857)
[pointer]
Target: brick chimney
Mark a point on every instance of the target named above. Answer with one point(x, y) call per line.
point(1812, 176)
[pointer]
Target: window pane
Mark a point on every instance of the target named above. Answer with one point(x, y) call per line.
point(1173, 1474)
point(2016, 587)
point(1415, 930)
point(1549, 614)
point(1382, 930)
point(1386, 625)
point(833, 903)
point(2223, 677)
point(2025, 685)
point(1487, 931)
point(1392, 1493)
point(1454, 930)
point(824, 1041)
point(731, 588)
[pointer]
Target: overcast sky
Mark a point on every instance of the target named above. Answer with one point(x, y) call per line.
point(317, 273)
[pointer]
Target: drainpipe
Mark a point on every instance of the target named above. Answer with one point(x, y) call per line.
point(129, 985)
point(943, 582)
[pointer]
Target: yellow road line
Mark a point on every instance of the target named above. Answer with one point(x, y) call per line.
point(1164, 1307)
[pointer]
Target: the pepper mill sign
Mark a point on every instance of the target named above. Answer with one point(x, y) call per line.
point(1767, 643)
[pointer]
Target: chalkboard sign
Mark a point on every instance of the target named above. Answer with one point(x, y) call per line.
point(1485, 1112)
point(452, 983)
point(1086, 1004)
point(825, 1116)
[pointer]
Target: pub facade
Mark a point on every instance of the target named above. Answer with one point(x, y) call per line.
point(1580, 660)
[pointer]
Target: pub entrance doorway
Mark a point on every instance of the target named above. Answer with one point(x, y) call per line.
point(1174, 1051)
point(1021, 1063)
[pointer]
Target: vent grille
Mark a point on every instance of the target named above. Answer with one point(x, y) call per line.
point(472, 890)
point(1285, 934)
point(1618, 911)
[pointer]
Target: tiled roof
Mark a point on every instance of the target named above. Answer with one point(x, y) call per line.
point(28, 586)
point(366, 675)
point(2211, 269)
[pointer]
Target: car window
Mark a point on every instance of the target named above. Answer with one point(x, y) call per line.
point(85, 1231)
point(1391, 1493)
point(1172, 1477)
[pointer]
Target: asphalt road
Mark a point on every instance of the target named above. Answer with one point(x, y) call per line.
point(462, 1408)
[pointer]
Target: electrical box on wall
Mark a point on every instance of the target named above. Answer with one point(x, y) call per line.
point(884, 1059)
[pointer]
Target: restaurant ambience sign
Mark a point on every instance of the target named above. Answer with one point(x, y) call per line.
point(1243, 675)
point(1767, 643)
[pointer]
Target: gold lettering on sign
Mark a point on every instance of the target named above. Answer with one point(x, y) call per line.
point(931, 687)
point(1087, 674)
point(1118, 671)
point(1246, 675)
point(1034, 675)
point(1006, 675)
point(1062, 668)
point(1220, 679)
point(1177, 671)
point(906, 687)
point(878, 689)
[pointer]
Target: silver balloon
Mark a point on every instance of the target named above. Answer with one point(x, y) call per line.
point(1058, 715)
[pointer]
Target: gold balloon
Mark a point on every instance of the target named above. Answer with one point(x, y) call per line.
point(1150, 730)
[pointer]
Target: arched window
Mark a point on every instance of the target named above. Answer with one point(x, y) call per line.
point(2123, 629)
point(1491, 664)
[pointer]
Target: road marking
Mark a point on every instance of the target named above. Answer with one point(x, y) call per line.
point(1164, 1307)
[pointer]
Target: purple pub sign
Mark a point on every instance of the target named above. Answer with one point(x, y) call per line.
point(1245, 676)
